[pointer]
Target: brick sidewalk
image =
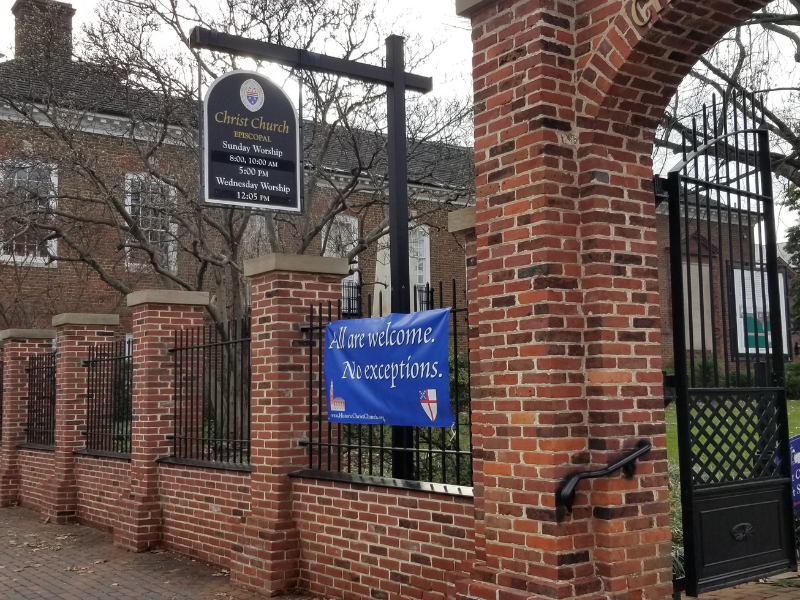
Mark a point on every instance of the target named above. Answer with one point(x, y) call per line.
point(775, 590)
point(72, 562)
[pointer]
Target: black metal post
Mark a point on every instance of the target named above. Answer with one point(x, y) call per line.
point(397, 82)
point(402, 437)
point(776, 326)
point(678, 205)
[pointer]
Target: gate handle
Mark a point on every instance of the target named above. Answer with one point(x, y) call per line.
point(565, 496)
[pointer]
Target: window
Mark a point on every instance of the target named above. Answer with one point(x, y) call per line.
point(27, 197)
point(699, 315)
point(419, 266)
point(343, 237)
point(419, 271)
point(150, 203)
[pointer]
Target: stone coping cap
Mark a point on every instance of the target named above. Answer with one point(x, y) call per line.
point(27, 334)
point(461, 220)
point(169, 297)
point(297, 263)
point(84, 319)
point(466, 8)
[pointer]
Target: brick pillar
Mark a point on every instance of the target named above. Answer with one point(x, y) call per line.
point(156, 316)
point(283, 288)
point(75, 334)
point(566, 311)
point(463, 222)
point(18, 346)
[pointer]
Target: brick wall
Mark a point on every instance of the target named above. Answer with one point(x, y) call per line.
point(102, 483)
point(203, 511)
point(363, 542)
point(156, 317)
point(17, 348)
point(36, 474)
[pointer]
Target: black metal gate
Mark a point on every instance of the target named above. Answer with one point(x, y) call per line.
point(729, 313)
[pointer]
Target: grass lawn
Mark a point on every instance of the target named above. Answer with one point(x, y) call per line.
point(672, 427)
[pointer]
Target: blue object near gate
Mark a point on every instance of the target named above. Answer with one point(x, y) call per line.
point(390, 370)
point(794, 445)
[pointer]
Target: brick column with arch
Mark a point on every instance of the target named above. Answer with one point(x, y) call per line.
point(157, 314)
point(567, 100)
point(18, 345)
point(283, 290)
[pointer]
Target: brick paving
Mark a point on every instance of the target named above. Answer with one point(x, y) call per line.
point(775, 589)
point(73, 562)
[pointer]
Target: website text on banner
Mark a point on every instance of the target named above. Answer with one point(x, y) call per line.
point(392, 370)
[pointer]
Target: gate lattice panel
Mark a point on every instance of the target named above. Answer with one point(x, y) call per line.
point(735, 435)
point(729, 315)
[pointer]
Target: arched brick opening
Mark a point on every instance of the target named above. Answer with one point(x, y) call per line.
point(626, 77)
point(567, 371)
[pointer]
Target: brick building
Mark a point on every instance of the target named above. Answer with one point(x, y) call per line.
point(84, 219)
point(565, 348)
point(714, 253)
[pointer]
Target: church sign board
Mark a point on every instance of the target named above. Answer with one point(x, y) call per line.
point(251, 152)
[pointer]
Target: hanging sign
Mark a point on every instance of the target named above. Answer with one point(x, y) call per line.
point(251, 148)
point(794, 445)
point(391, 371)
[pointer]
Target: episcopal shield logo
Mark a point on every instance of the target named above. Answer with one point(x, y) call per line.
point(252, 95)
point(427, 398)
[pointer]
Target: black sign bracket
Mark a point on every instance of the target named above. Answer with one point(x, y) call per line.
point(397, 81)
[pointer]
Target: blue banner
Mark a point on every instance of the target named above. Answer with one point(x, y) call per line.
point(391, 371)
point(794, 446)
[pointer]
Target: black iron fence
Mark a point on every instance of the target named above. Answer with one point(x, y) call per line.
point(109, 397)
point(424, 297)
point(212, 393)
point(351, 298)
point(438, 454)
point(41, 422)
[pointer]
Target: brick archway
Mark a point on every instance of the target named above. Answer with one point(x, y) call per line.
point(567, 370)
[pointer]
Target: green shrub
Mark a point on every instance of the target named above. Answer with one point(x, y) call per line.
point(676, 519)
point(708, 374)
point(797, 532)
point(792, 370)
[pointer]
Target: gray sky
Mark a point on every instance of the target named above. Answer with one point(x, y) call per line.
point(435, 19)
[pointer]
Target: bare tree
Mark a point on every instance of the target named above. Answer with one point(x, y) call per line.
point(127, 206)
point(760, 57)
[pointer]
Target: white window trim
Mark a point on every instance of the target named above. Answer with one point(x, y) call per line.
point(701, 338)
point(426, 236)
point(172, 252)
point(52, 245)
